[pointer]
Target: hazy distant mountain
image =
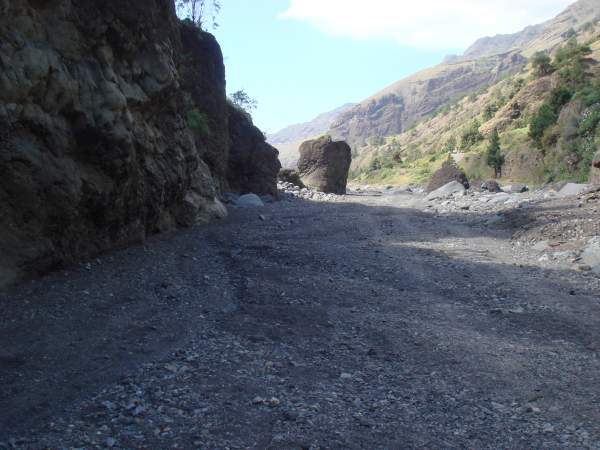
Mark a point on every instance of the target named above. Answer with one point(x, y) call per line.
point(288, 140)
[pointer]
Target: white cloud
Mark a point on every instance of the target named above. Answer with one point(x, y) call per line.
point(428, 24)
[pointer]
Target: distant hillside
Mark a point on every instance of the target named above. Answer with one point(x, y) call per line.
point(403, 104)
point(288, 140)
point(545, 36)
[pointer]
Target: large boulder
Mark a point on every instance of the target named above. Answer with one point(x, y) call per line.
point(515, 188)
point(595, 173)
point(447, 173)
point(324, 164)
point(448, 190)
point(572, 190)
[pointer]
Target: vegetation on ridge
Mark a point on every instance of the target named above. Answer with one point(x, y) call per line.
point(536, 126)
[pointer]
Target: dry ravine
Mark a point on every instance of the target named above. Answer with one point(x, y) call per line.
point(377, 319)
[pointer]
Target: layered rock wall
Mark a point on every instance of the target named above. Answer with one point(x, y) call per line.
point(113, 126)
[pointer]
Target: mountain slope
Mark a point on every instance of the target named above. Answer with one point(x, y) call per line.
point(401, 105)
point(549, 126)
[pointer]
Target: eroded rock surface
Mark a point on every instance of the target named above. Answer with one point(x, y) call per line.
point(324, 164)
point(113, 126)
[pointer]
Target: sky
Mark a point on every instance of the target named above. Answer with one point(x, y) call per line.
point(300, 58)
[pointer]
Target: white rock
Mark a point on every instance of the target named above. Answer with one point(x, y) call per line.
point(249, 201)
point(572, 190)
point(591, 254)
point(515, 188)
point(447, 190)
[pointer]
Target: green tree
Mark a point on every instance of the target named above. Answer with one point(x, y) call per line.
point(471, 135)
point(494, 157)
point(198, 10)
point(242, 100)
point(542, 64)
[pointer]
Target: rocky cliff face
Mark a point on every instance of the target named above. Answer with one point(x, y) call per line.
point(113, 126)
point(253, 164)
point(402, 105)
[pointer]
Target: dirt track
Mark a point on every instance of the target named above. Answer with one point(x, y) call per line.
point(359, 324)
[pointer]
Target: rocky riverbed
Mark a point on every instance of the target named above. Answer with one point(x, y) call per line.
point(377, 319)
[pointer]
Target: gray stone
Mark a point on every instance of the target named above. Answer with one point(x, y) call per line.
point(491, 186)
point(591, 254)
point(572, 190)
point(515, 188)
point(249, 201)
point(454, 187)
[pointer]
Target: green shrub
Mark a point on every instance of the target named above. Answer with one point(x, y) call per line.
point(548, 114)
point(589, 122)
point(198, 122)
point(471, 135)
point(540, 122)
point(541, 64)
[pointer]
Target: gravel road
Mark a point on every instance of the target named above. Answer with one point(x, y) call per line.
point(368, 322)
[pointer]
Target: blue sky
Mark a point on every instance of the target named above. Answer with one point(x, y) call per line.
point(300, 58)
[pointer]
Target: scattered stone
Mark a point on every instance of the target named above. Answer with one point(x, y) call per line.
point(491, 186)
point(259, 400)
point(290, 176)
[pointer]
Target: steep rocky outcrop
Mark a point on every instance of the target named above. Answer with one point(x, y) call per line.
point(324, 164)
point(253, 164)
point(113, 126)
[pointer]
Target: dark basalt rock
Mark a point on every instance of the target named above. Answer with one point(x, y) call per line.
point(114, 125)
point(324, 165)
point(447, 173)
point(253, 164)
